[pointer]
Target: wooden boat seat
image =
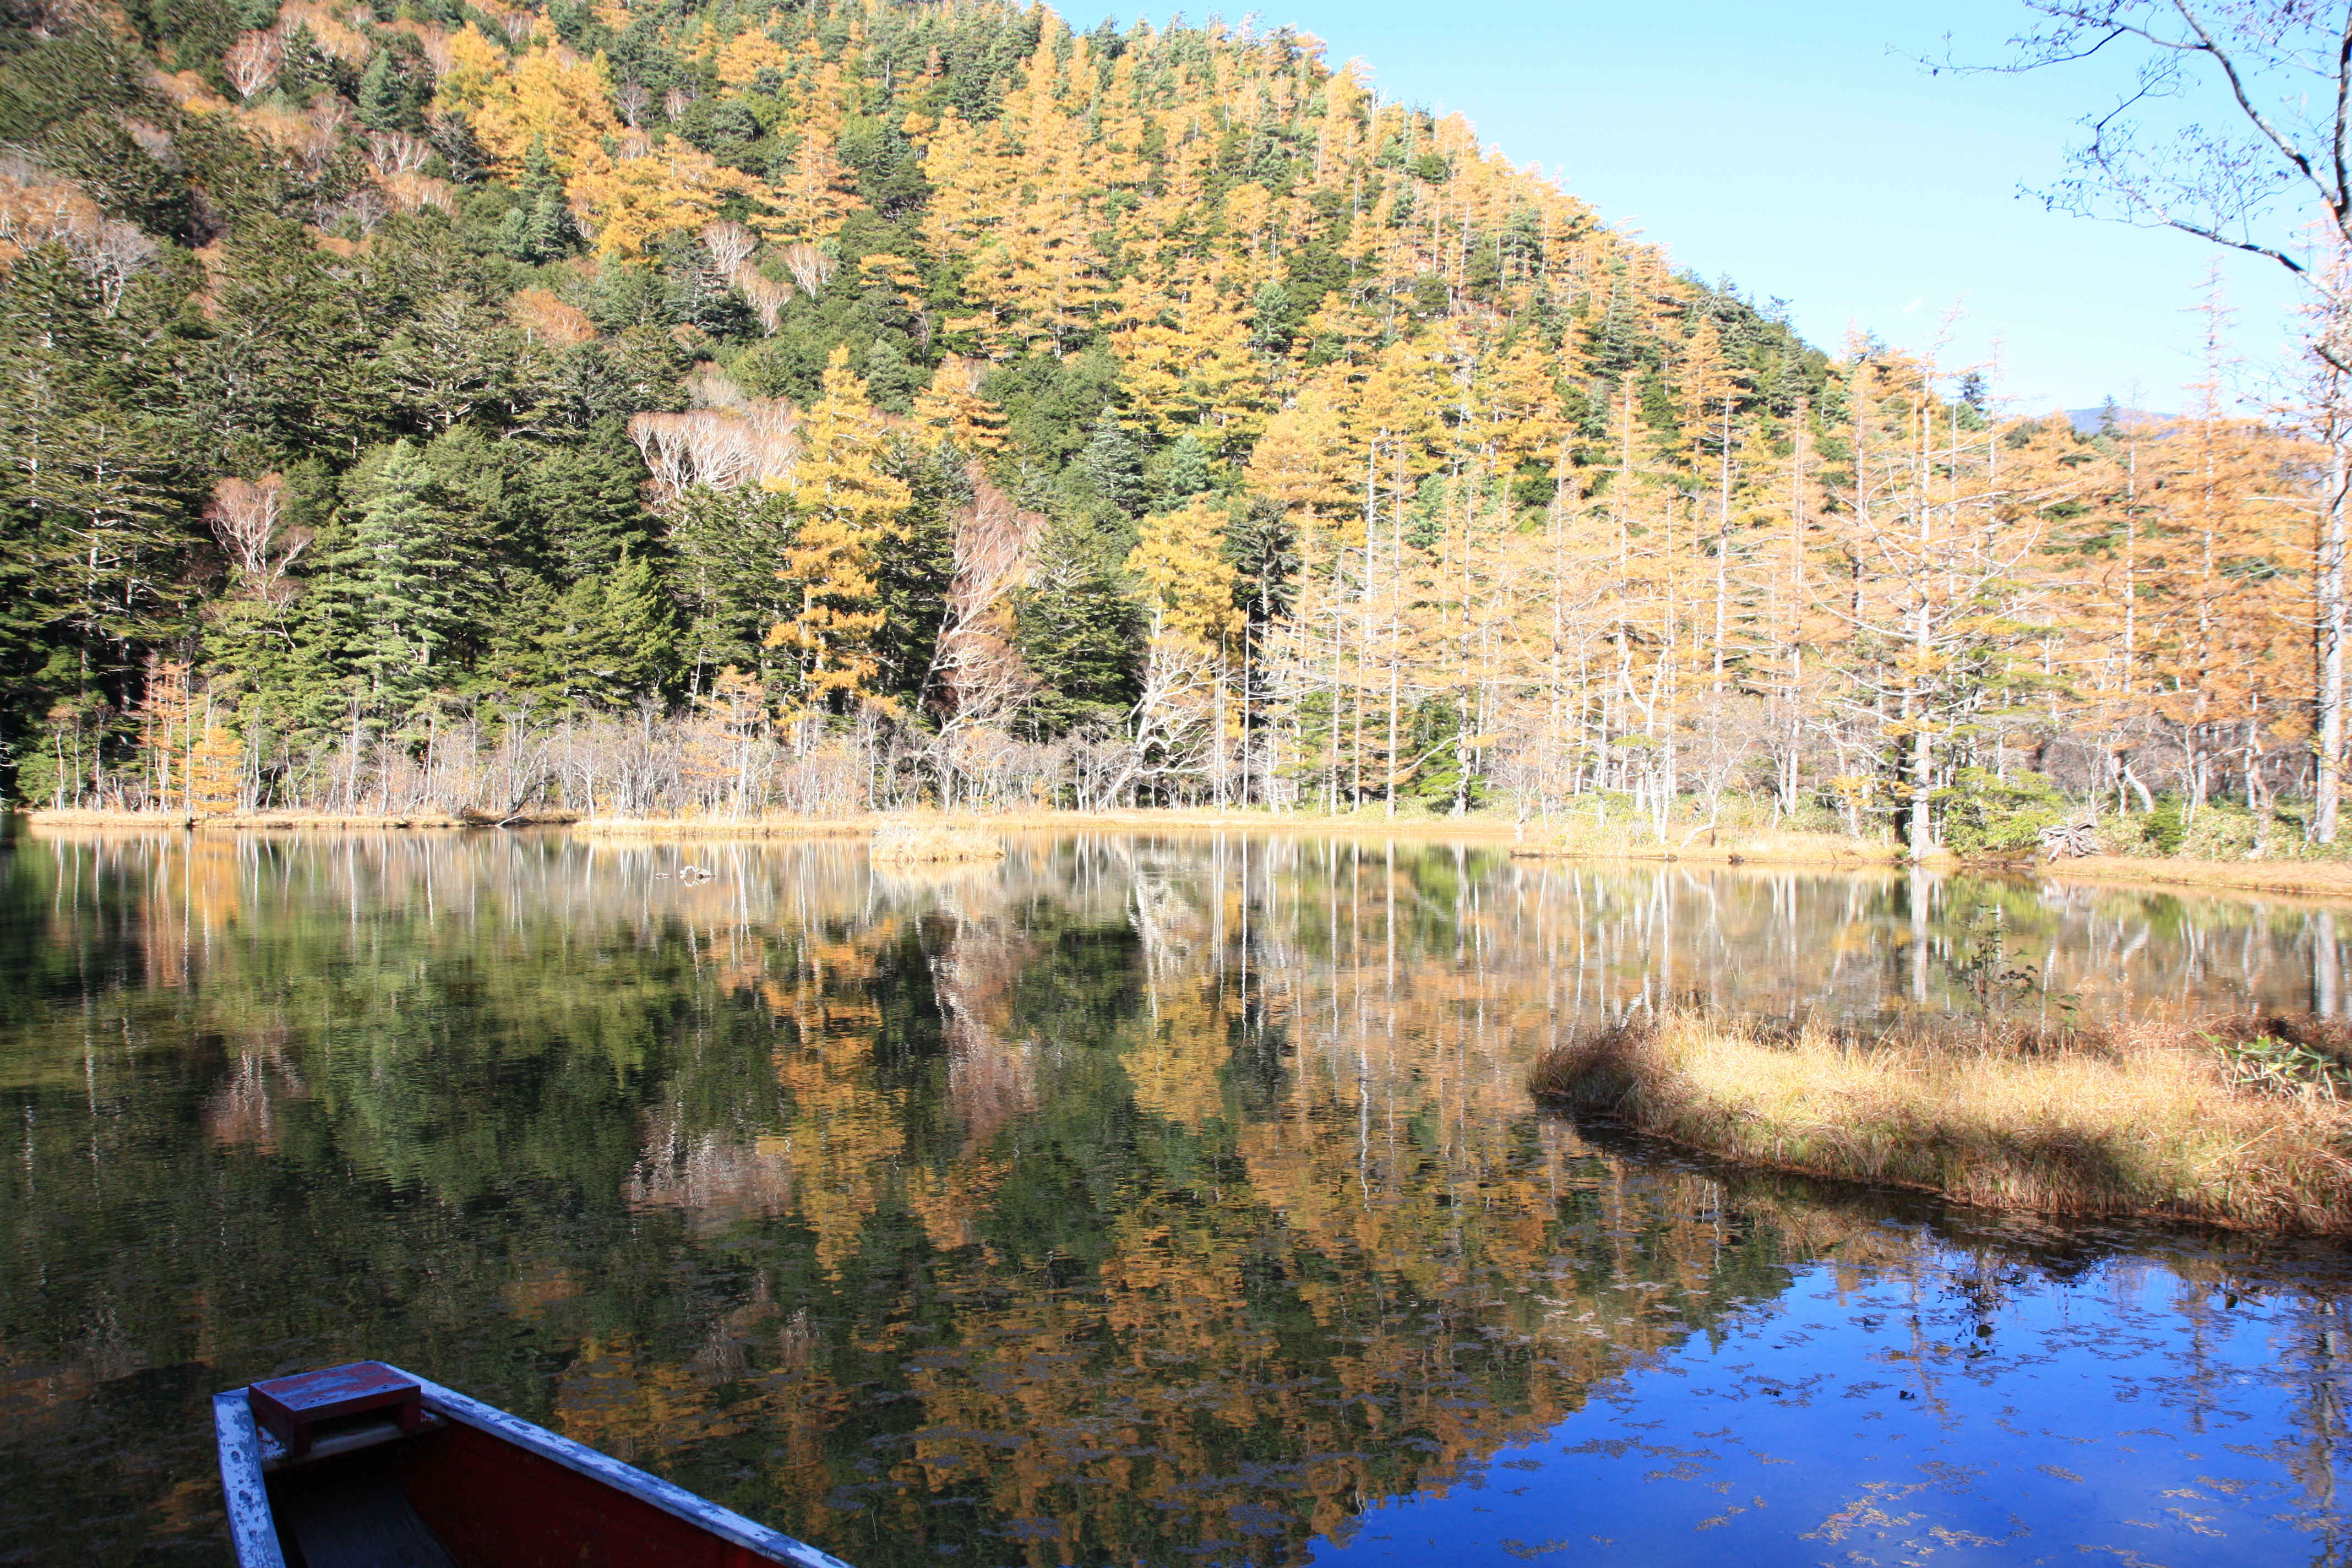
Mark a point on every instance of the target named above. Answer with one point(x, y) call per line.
point(363, 1522)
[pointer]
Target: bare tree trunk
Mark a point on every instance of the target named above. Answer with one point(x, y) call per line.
point(1923, 762)
point(2328, 585)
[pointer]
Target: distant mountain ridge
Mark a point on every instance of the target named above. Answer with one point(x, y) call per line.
point(2090, 421)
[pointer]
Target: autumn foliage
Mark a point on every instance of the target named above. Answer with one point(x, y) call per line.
point(1022, 415)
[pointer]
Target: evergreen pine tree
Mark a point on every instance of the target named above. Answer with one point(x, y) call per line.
point(383, 101)
point(636, 628)
point(1077, 629)
point(1111, 466)
point(539, 229)
point(1186, 471)
point(610, 639)
point(393, 575)
point(727, 543)
point(890, 379)
point(587, 498)
point(291, 367)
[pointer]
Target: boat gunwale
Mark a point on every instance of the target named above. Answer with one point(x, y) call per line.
point(252, 1524)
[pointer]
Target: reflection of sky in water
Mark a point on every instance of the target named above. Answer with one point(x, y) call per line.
point(2125, 1415)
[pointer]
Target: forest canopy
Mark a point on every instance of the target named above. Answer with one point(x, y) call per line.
point(724, 408)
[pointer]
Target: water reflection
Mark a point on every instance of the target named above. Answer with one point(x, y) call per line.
point(1135, 1200)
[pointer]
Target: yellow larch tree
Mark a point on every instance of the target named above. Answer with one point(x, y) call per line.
point(549, 94)
point(953, 405)
point(844, 508)
point(630, 201)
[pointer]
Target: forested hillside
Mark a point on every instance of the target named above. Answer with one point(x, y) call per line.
point(717, 408)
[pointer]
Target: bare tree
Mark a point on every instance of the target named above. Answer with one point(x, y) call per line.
point(730, 246)
point(767, 296)
point(721, 447)
point(397, 153)
point(2274, 160)
point(978, 677)
point(631, 97)
point(247, 516)
point(252, 62)
point(811, 268)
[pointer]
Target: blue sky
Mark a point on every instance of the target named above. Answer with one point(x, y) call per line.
point(1796, 149)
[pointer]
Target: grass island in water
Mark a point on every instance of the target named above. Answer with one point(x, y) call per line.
point(2237, 1122)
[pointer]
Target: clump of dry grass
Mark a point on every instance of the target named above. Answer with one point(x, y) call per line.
point(907, 844)
point(722, 826)
point(2157, 1121)
point(1582, 838)
point(1793, 846)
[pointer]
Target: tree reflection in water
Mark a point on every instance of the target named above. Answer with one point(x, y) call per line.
point(1136, 1200)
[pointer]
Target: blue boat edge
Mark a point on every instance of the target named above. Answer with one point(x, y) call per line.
point(253, 1530)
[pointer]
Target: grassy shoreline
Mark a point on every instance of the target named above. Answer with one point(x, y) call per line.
point(250, 821)
point(1529, 841)
point(2321, 877)
point(2158, 1122)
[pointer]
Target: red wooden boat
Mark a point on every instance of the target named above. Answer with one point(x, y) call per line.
point(367, 1466)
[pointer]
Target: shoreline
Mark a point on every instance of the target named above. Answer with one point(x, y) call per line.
point(249, 822)
point(1526, 841)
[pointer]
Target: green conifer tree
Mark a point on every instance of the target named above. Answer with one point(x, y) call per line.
point(636, 628)
point(611, 638)
point(394, 574)
point(539, 229)
point(1110, 464)
point(586, 495)
point(383, 98)
point(1078, 628)
point(1185, 470)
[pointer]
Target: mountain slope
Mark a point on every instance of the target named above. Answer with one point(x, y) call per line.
point(905, 386)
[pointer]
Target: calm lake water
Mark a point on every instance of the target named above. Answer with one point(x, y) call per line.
point(1137, 1201)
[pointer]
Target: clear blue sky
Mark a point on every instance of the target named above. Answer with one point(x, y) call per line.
point(1795, 149)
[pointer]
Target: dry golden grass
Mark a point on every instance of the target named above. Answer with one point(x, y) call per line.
point(919, 843)
point(1788, 848)
point(1717, 846)
point(764, 826)
point(2322, 878)
point(2145, 1122)
point(248, 819)
point(1369, 824)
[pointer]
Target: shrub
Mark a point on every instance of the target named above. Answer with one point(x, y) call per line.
point(1987, 814)
point(2166, 826)
point(2220, 831)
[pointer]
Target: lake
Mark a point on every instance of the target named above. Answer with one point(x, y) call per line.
point(1139, 1200)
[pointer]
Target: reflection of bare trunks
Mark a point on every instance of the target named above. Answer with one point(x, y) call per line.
point(714, 1179)
point(989, 1079)
point(2327, 967)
